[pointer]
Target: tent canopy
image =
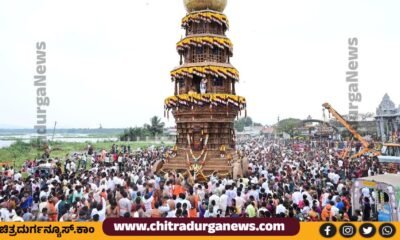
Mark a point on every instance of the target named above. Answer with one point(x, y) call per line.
point(391, 179)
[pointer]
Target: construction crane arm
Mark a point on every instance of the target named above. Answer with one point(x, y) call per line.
point(346, 125)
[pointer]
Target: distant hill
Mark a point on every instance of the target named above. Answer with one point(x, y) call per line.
point(65, 131)
point(9, 126)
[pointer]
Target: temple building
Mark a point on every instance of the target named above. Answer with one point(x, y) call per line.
point(388, 120)
point(204, 102)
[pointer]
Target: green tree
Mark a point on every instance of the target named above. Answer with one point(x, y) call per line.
point(125, 135)
point(288, 125)
point(155, 127)
point(131, 134)
point(248, 121)
point(243, 122)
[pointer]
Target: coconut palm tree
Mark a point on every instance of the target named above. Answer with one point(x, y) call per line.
point(155, 127)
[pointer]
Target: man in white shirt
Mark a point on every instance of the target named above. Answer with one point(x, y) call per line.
point(182, 199)
point(4, 215)
point(223, 202)
point(340, 187)
point(262, 209)
point(147, 203)
point(231, 193)
point(124, 205)
point(340, 163)
point(239, 201)
point(254, 192)
point(264, 172)
point(44, 193)
point(280, 208)
point(135, 178)
point(117, 181)
point(107, 160)
point(297, 196)
point(110, 184)
point(365, 192)
point(335, 178)
point(334, 210)
point(254, 180)
point(330, 175)
point(17, 176)
point(265, 185)
point(215, 198)
point(200, 192)
point(73, 166)
point(101, 212)
point(324, 198)
point(19, 185)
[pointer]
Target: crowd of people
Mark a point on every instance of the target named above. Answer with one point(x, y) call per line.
point(286, 179)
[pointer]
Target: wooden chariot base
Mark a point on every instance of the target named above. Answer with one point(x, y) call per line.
point(226, 165)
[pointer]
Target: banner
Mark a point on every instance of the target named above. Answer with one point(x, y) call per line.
point(199, 229)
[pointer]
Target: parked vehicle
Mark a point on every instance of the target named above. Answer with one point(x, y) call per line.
point(390, 157)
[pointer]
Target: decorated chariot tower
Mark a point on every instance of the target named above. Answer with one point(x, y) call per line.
point(204, 103)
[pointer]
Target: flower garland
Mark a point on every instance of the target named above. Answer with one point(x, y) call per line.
point(198, 171)
point(206, 16)
point(211, 41)
point(196, 159)
point(201, 164)
point(202, 71)
point(190, 100)
point(204, 151)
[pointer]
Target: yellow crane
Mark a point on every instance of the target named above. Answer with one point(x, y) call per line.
point(366, 146)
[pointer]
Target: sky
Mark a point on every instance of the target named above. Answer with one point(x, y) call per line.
point(108, 62)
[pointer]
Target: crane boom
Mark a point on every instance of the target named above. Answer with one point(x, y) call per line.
point(341, 119)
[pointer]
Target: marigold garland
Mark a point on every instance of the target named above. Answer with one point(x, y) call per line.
point(211, 41)
point(202, 71)
point(207, 16)
point(190, 100)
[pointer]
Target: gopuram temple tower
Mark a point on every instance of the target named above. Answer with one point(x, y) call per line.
point(204, 103)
